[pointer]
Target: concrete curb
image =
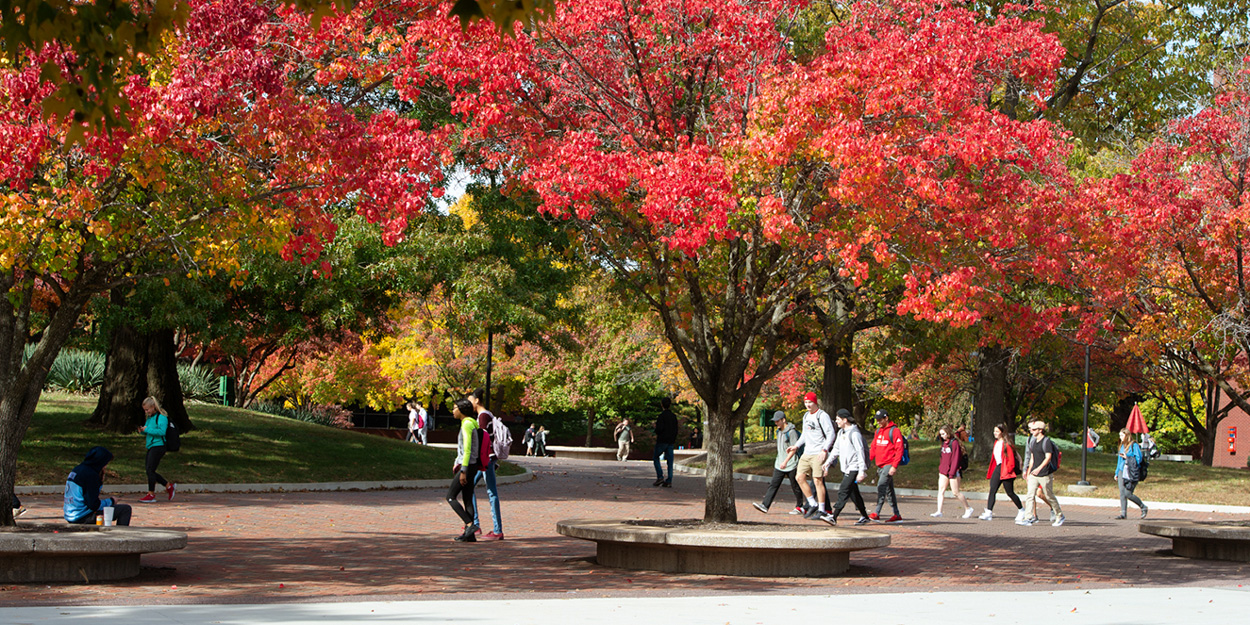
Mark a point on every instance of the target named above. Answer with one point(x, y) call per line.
point(1063, 500)
point(292, 487)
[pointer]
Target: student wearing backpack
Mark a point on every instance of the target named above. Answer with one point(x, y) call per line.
point(1129, 459)
point(500, 444)
point(1003, 471)
point(887, 453)
point(1044, 461)
point(814, 445)
point(154, 429)
point(528, 440)
point(468, 463)
point(950, 470)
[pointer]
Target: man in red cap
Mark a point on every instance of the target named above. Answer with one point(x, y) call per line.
point(818, 437)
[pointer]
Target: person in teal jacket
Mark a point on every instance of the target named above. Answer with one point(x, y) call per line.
point(1127, 472)
point(154, 428)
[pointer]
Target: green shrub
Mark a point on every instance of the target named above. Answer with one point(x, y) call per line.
point(76, 371)
point(199, 383)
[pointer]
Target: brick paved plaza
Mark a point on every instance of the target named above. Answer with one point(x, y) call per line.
point(379, 545)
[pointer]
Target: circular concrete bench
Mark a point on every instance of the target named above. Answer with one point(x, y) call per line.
point(66, 553)
point(1228, 540)
point(746, 549)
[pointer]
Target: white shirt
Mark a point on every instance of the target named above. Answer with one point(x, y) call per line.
point(818, 432)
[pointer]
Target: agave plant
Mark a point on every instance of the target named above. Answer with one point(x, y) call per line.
point(76, 371)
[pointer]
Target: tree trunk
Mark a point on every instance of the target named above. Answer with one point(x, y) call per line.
point(162, 378)
point(120, 407)
point(590, 424)
point(719, 506)
point(991, 400)
point(837, 384)
point(20, 388)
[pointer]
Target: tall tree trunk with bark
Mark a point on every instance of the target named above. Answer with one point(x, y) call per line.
point(119, 408)
point(21, 384)
point(590, 424)
point(162, 378)
point(837, 382)
point(718, 503)
point(991, 400)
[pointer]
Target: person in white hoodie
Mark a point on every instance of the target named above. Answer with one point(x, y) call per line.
point(851, 453)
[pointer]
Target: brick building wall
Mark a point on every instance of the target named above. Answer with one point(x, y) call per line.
point(1238, 419)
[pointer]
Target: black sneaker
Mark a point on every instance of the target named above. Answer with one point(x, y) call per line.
point(759, 506)
point(862, 520)
point(658, 482)
point(466, 538)
point(667, 484)
point(812, 513)
point(830, 519)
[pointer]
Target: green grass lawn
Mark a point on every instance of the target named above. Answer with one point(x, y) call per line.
point(229, 445)
point(1169, 481)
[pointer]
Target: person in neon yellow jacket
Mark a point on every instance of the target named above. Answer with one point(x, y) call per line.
point(466, 466)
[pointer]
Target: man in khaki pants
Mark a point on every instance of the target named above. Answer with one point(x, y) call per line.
point(1045, 461)
point(814, 445)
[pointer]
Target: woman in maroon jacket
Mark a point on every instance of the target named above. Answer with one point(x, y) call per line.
point(949, 471)
point(1003, 470)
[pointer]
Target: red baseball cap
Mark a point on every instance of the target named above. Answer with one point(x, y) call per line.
point(809, 397)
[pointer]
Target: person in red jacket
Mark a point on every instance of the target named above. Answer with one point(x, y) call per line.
point(1004, 469)
point(887, 451)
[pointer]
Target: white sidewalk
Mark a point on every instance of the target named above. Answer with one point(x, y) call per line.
point(1138, 606)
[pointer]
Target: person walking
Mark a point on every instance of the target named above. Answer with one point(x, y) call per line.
point(528, 439)
point(154, 429)
point(784, 467)
point(886, 452)
point(814, 445)
point(467, 463)
point(665, 439)
point(82, 491)
point(624, 438)
point(540, 441)
point(500, 441)
point(950, 469)
point(1002, 472)
point(852, 457)
point(1028, 462)
point(1128, 472)
point(1043, 457)
point(416, 422)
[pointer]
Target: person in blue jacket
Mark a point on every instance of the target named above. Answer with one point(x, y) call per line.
point(82, 491)
point(1127, 472)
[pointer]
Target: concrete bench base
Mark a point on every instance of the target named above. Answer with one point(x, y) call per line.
point(65, 553)
point(1206, 541)
point(750, 550)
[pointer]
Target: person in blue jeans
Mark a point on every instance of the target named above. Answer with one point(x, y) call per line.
point(665, 438)
point(1128, 473)
point(491, 424)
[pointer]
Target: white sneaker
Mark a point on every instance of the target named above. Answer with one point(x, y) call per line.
point(968, 513)
point(1026, 522)
point(1058, 521)
point(936, 514)
point(987, 515)
point(1020, 514)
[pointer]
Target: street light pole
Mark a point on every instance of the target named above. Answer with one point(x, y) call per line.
point(1085, 422)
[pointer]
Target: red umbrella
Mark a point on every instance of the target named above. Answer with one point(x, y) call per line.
point(1136, 424)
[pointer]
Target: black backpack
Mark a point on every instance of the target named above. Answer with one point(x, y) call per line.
point(172, 441)
point(1143, 469)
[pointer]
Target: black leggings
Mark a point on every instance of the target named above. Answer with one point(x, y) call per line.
point(465, 491)
point(1008, 485)
point(154, 460)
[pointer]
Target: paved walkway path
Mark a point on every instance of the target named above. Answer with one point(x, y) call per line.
point(396, 545)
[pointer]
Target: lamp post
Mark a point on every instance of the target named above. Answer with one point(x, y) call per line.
point(1085, 423)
